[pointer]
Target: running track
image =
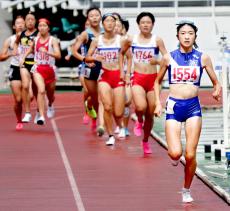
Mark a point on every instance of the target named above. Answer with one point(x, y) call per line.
point(63, 166)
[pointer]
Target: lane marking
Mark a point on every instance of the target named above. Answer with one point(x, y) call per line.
point(68, 169)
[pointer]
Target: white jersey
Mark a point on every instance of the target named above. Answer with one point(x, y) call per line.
point(14, 59)
point(143, 52)
point(109, 52)
point(42, 58)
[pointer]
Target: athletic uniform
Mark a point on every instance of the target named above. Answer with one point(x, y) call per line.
point(14, 72)
point(24, 45)
point(91, 73)
point(44, 64)
point(110, 54)
point(184, 68)
point(142, 53)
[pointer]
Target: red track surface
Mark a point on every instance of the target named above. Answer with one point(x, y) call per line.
point(33, 176)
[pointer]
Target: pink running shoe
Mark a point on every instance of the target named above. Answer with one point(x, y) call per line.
point(94, 124)
point(146, 148)
point(86, 119)
point(19, 126)
point(138, 128)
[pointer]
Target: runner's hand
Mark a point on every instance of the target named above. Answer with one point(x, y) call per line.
point(158, 110)
point(217, 92)
point(127, 79)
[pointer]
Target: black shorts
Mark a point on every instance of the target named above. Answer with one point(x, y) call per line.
point(14, 73)
point(28, 66)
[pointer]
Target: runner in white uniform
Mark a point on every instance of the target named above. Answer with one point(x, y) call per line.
point(111, 85)
point(14, 72)
point(145, 49)
point(46, 50)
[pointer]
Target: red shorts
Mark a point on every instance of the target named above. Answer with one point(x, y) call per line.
point(47, 73)
point(112, 77)
point(144, 80)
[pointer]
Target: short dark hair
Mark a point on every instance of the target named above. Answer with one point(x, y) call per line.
point(18, 17)
point(125, 23)
point(117, 14)
point(143, 14)
point(108, 15)
point(92, 8)
point(31, 13)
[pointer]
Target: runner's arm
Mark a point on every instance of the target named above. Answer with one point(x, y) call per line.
point(5, 54)
point(157, 84)
point(207, 64)
point(56, 49)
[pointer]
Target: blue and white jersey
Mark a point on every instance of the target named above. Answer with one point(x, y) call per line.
point(185, 68)
point(91, 37)
point(143, 52)
point(109, 52)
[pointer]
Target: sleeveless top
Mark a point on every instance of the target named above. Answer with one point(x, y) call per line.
point(24, 45)
point(109, 52)
point(42, 58)
point(185, 68)
point(14, 59)
point(143, 52)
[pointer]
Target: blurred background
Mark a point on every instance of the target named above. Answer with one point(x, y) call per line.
point(67, 17)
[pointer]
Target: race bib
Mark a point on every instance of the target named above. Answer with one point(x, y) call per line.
point(185, 74)
point(109, 56)
point(87, 72)
point(143, 55)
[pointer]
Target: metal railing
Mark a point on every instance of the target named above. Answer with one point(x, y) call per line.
point(167, 7)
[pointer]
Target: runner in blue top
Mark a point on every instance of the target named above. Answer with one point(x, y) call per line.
point(92, 72)
point(185, 66)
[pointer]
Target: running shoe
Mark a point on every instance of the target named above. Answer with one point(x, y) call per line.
point(94, 124)
point(146, 148)
point(100, 131)
point(111, 141)
point(121, 133)
point(91, 112)
point(186, 196)
point(86, 119)
point(138, 128)
point(27, 117)
point(50, 112)
point(175, 162)
point(41, 120)
point(19, 126)
point(117, 130)
point(127, 133)
point(37, 115)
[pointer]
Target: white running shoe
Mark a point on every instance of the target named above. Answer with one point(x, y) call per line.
point(111, 141)
point(41, 120)
point(121, 133)
point(186, 196)
point(37, 115)
point(50, 112)
point(117, 130)
point(27, 117)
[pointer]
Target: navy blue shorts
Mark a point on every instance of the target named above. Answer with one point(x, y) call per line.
point(182, 109)
point(94, 72)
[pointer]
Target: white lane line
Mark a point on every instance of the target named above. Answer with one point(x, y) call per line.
point(69, 171)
